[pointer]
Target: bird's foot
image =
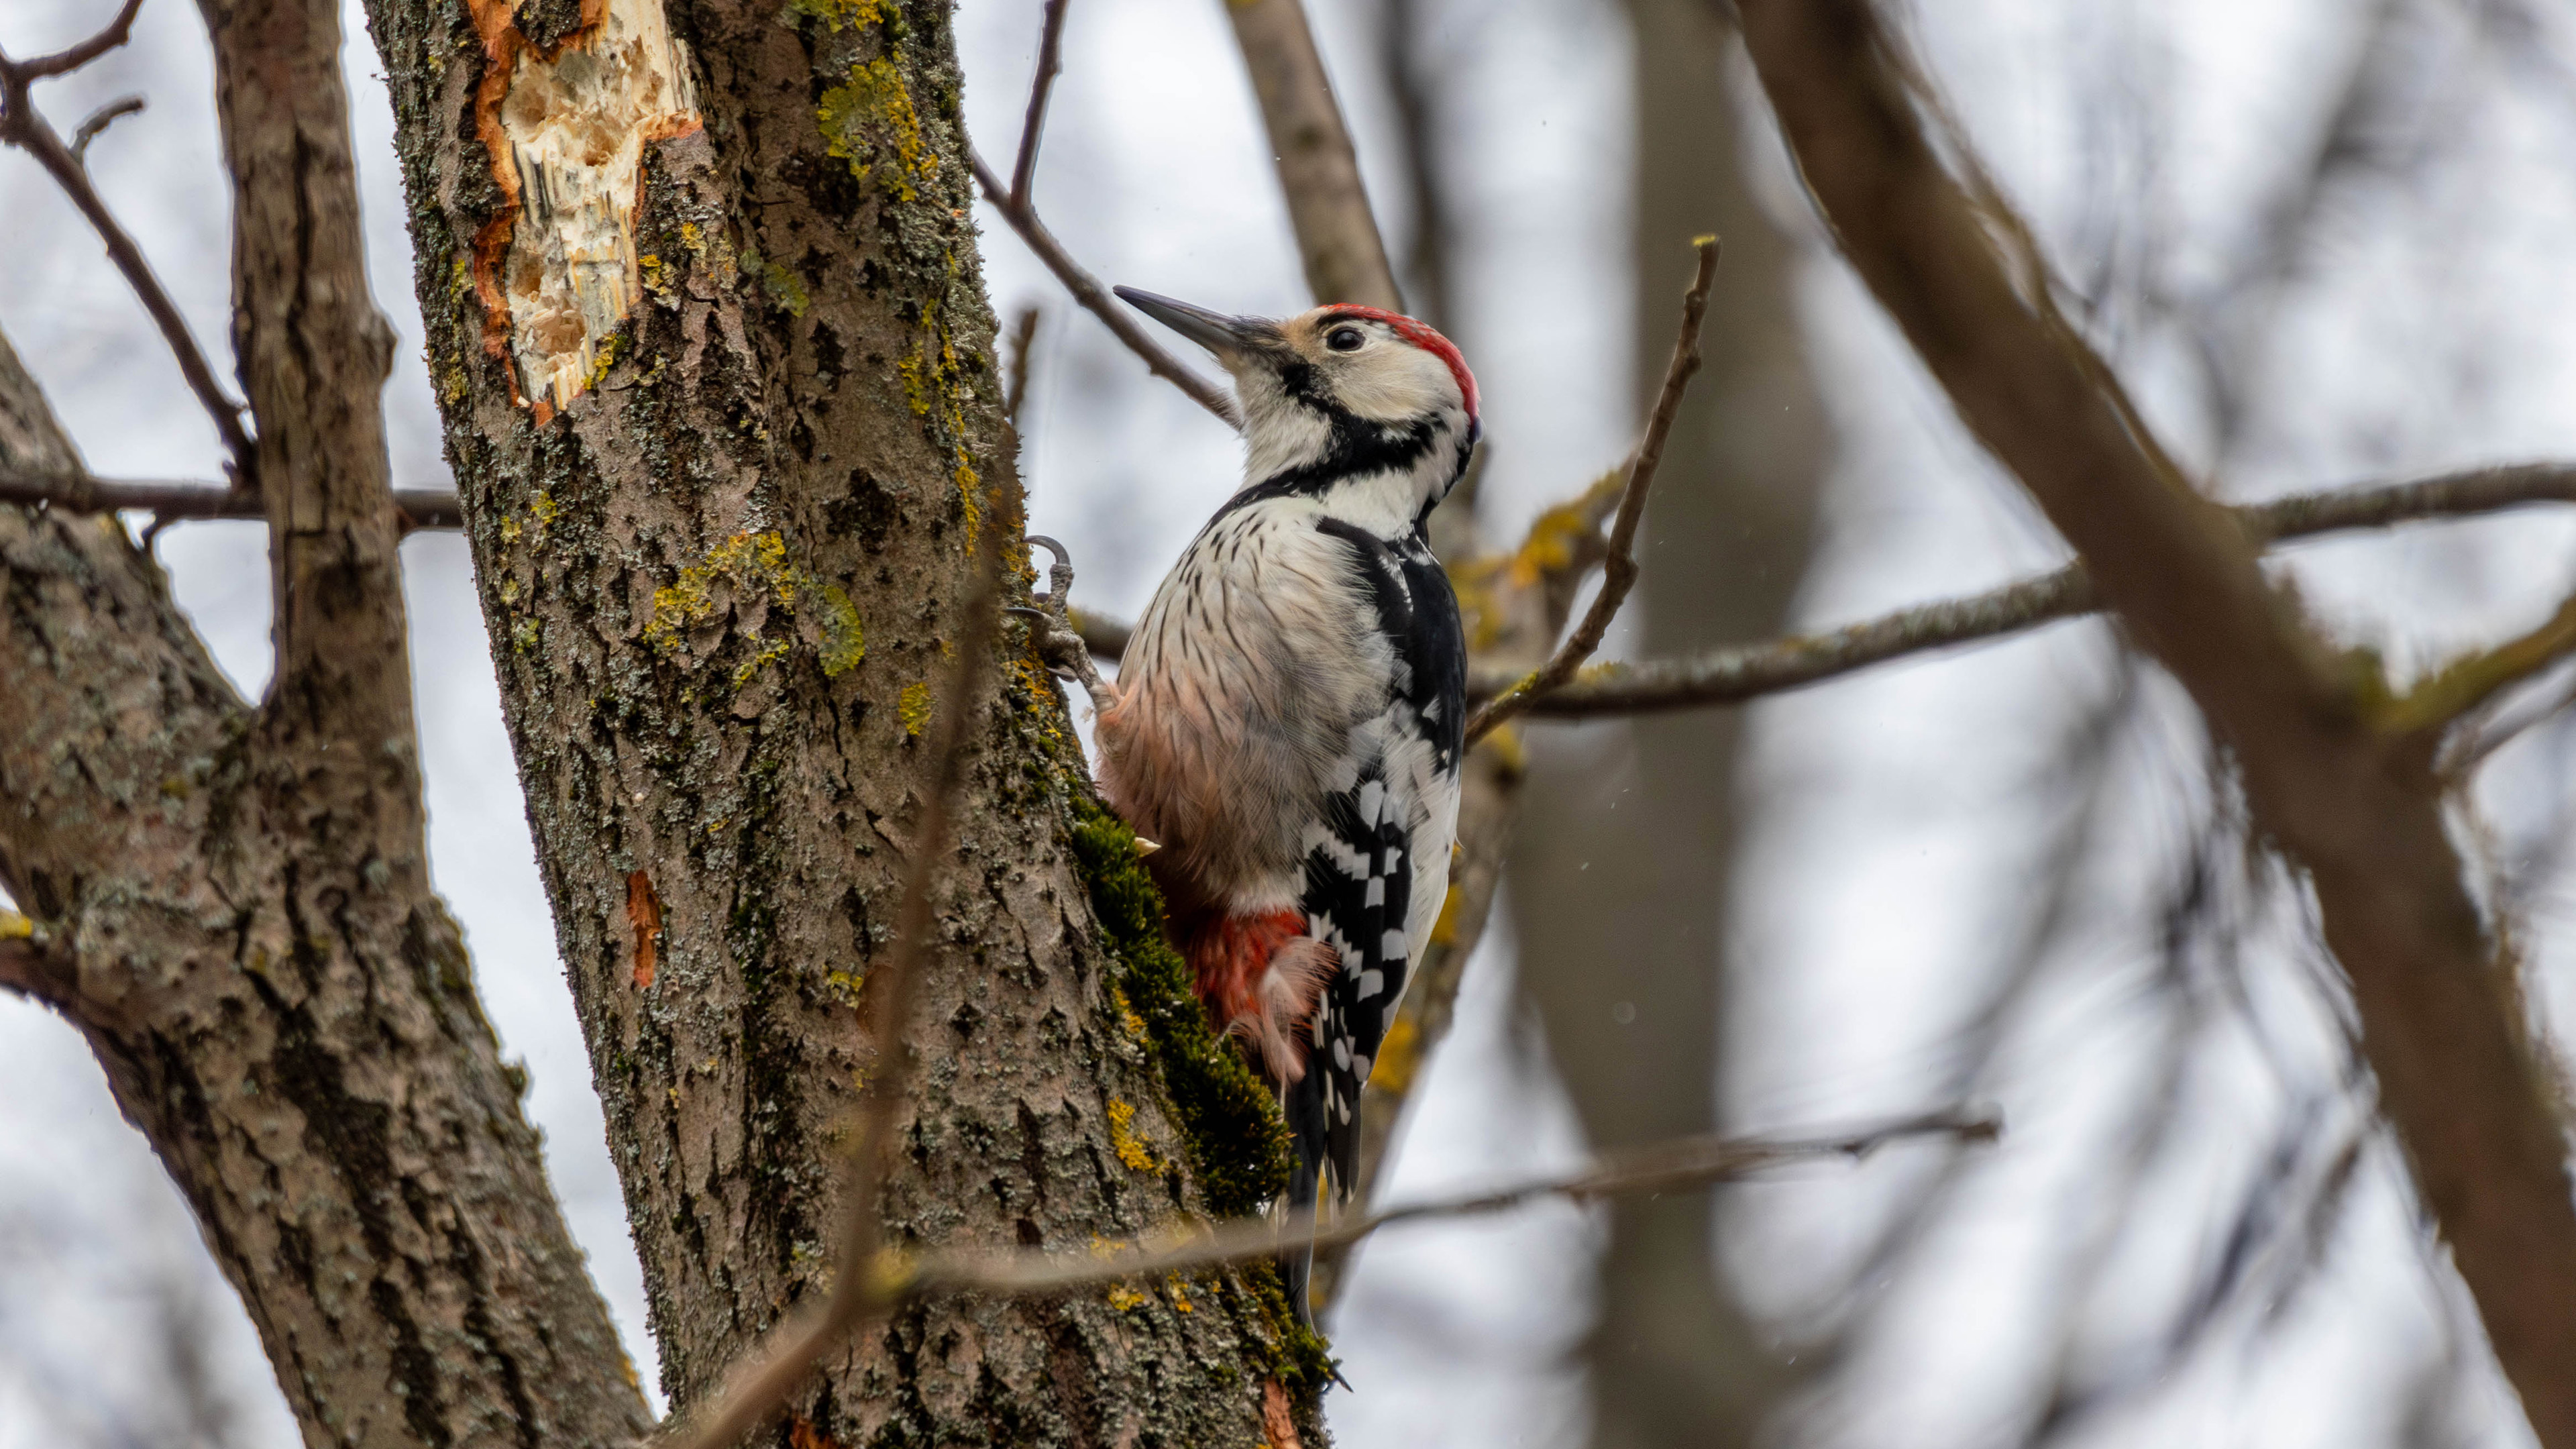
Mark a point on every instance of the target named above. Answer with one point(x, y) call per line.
point(1059, 644)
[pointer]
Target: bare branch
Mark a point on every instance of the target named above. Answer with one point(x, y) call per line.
point(774, 1368)
point(1095, 299)
point(869, 1287)
point(1337, 235)
point(313, 354)
point(1024, 336)
point(1619, 570)
point(1745, 671)
point(2360, 809)
point(1033, 125)
point(178, 498)
point(2466, 684)
point(1740, 672)
point(99, 120)
point(2452, 495)
point(64, 61)
point(1657, 1167)
point(23, 127)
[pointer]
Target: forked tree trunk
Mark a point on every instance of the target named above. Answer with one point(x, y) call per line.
point(708, 326)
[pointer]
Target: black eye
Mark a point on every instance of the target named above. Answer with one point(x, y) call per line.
point(1345, 339)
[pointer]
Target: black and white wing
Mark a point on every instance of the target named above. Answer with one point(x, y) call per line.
point(1377, 852)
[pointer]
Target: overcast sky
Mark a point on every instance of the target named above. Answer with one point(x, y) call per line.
point(1904, 814)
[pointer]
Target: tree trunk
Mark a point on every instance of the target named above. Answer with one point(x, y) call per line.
point(708, 326)
point(233, 905)
point(1621, 878)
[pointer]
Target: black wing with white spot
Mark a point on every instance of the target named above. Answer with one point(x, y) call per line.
point(1360, 861)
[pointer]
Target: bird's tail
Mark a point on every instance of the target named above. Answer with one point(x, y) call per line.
point(1302, 1103)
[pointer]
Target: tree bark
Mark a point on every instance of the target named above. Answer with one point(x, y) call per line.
point(235, 903)
point(724, 426)
point(1622, 879)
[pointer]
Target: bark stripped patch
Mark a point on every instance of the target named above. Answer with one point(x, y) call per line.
point(566, 131)
point(1275, 1418)
point(644, 915)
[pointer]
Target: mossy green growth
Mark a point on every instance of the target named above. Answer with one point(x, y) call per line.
point(1299, 1357)
point(1238, 1147)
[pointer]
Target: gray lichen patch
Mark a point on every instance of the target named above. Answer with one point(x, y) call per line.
point(576, 126)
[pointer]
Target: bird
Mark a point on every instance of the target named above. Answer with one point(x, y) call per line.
point(1287, 719)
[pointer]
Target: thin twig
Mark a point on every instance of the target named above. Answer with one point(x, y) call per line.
point(2469, 682)
point(64, 61)
point(1095, 299)
point(1619, 570)
point(1033, 125)
point(21, 126)
point(99, 120)
point(779, 1363)
point(1745, 671)
point(1657, 1167)
point(868, 1289)
point(1739, 672)
point(1024, 335)
point(177, 498)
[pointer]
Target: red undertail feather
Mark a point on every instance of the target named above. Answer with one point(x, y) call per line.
point(1261, 977)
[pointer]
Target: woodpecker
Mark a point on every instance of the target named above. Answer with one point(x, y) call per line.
point(1287, 718)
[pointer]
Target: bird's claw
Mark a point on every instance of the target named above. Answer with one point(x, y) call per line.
point(1060, 646)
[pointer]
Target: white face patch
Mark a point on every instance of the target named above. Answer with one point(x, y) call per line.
point(1387, 379)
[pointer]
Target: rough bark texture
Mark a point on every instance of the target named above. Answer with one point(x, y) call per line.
point(720, 581)
point(1622, 877)
point(283, 1008)
point(237, 901)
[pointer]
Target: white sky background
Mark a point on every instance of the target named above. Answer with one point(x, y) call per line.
point(2431, 330)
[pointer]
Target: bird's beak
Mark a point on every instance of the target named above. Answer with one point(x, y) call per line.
point(1225, 336)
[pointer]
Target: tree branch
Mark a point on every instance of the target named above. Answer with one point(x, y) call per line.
point(2359, 810)
point(887, 1281)
point(183, 856)
point(1337, 235)
point(62, 62)
point(314, 355)
point(177, 498)
point(1739, 672)
point(97, 122)
point(1015, 395)
point(1095, 299)
point(2466, 684)
point(1746, 671)
point(1655, 1168)
point(1619, 569)
point(1033, 125)
point(21, 125)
